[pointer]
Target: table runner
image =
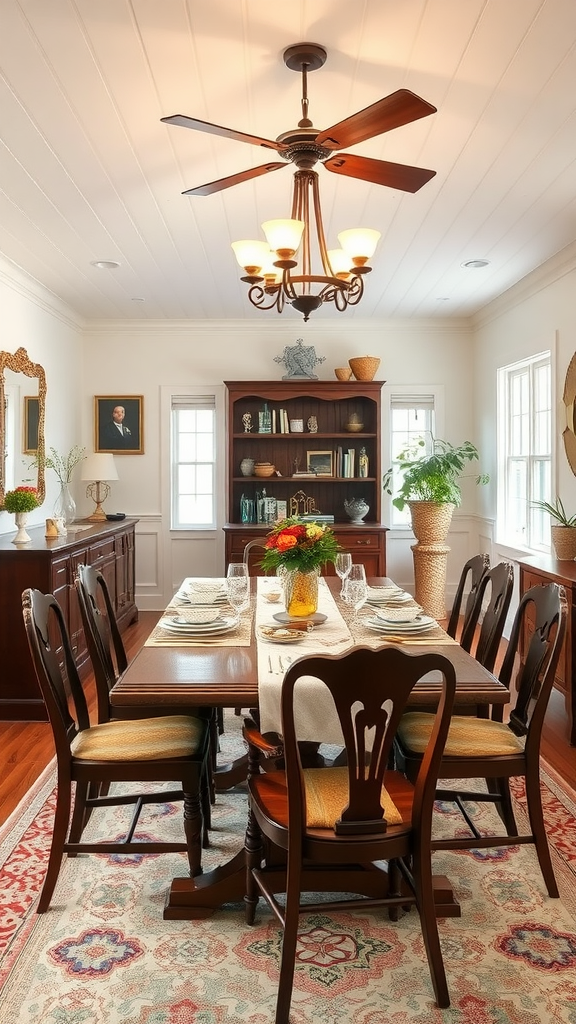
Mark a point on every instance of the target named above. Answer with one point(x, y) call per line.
point(240, 636)
point(316, 718)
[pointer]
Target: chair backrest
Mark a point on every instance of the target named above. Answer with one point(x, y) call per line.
point(475, 567)
point(542, 615)
point(499, 581)
point(370, 690)
point(55, 669)
point(248, 548)
point(103, 638)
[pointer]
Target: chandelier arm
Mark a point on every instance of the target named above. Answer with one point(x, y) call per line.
point(320, 227)
point(266, 298)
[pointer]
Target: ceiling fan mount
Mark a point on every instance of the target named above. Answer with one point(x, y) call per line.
point(306, 146)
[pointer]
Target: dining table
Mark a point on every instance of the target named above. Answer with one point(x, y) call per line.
point(243, 667)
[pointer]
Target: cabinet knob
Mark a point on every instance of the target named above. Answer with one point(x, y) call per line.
point(364, 542)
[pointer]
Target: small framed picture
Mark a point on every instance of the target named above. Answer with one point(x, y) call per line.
point(319, 463)
point(118, 424)
point(31, 421)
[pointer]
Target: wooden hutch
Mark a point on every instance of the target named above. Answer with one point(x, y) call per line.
point(331, 405)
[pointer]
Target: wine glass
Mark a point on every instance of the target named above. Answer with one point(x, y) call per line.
point(238, 586)
point(342, 565)
point(356, 588)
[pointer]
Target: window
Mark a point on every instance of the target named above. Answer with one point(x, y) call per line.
point(525, 451)
point(193, 462)
point(411, 417)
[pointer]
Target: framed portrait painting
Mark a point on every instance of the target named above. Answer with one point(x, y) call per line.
point(31, 423)
point(119, 424)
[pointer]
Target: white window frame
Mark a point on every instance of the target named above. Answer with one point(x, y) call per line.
point(195, 404)
point(391, 395)
point(167, 394)
point(534, 534)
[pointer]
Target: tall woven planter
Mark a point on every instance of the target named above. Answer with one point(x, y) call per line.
point(564, 541)
point(430, 523)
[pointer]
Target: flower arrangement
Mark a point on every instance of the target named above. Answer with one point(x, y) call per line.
point(21, 499)
point(294, 544)
point(63, 465)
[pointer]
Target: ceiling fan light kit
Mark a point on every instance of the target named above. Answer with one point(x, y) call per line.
point(269, 266)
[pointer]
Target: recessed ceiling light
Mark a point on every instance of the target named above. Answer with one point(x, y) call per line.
point(442, 298)
point(475, 264)
point(104, 264)
point(138, 298)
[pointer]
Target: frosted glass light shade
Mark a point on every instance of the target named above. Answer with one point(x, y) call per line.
point(283, 235)
point(340, 262)
point(359, 243)
point(99, 466)
point(250, 253)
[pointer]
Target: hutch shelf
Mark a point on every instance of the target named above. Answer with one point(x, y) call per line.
point(334, 407)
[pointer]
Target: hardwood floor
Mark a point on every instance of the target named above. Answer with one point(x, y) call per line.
point(27, 747)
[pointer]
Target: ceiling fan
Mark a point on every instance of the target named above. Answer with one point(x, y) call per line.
point(305, 145)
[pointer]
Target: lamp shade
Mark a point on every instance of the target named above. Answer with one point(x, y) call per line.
point(99, 466)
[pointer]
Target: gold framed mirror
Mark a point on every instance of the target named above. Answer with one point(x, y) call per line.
point(20, 381)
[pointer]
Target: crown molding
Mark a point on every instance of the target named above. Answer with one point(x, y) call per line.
point(19, 281)
point(558, 266)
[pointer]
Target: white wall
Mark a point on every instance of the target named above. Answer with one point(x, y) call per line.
point(33, 319)
point(139, 359)
point(537, 314)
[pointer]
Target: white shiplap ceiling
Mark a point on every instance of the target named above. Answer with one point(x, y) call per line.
point(88, 172)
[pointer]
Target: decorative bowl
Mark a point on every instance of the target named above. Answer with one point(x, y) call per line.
point(199, 616)
point(353, 427)
point(364, 367)
point(343, 372)
point(264, 469)
point(390, 614)
point(272, 595)
point(356, 508)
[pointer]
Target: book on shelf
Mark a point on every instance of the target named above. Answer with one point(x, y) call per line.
point(304, 472)
point(317, 519)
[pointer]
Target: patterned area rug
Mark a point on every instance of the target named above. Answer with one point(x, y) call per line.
point(103, 953)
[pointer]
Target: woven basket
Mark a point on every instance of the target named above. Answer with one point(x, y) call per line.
point(564, 541)
point(343, 372)
point(364, 367)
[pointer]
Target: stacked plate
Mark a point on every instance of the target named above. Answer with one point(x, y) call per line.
point(421, 624)
point(177, 625)
point(387, 595)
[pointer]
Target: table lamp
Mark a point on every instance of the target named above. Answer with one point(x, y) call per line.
point(98, 467)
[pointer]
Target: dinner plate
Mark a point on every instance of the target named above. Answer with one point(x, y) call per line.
point(175, 624)
point(418, 625)
point(316, 617)
point(384, 595)
point(277, 635)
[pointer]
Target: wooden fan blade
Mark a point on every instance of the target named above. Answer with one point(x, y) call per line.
point(399, 108)
point(381, 172)
point(232, 179)
point(216, 129)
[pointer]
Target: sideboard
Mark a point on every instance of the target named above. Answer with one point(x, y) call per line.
point(50, 566)
point(539, 571)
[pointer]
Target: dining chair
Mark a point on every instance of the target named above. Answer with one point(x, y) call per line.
point(248, 548)
point(335, 826)
point(173, 747)
point(109, 661)
point(481, 748)
point(474, 568)
point(498, 584)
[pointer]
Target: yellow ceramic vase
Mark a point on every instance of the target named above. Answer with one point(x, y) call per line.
point(301, 593)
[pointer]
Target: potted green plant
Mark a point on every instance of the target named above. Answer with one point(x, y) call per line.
point(562, 528)
point(431, 489)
